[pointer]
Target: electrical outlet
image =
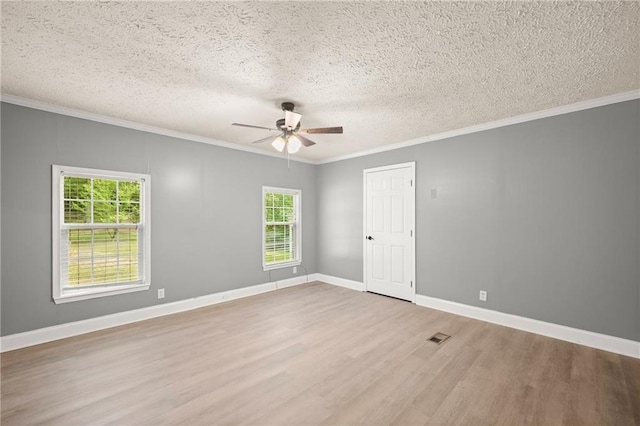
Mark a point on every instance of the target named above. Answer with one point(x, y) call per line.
point(161, 293)
point(483, 295)
point(295, 269)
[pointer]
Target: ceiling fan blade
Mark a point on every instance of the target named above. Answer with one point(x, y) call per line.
point(254, 127)
point(305, 141)
point(267, 139)
point(322, 130)
point(291, 119)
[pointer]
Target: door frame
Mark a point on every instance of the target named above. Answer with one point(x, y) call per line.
point(412, 203)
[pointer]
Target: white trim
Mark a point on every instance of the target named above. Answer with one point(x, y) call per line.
point(412, 166)
point(279, 265)
point(98, 173)
point(105, 119)
point(565, 109)
point(290, 282)
point(62, 331)
point(574, 335)
point(340, 282)
point(92, 293)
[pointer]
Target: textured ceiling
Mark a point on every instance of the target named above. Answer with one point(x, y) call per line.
point(386, 71)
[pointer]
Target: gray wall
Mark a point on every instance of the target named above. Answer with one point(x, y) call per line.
point(544, 215)
point(206, 213)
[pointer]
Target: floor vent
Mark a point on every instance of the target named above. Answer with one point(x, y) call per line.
point(438, 338)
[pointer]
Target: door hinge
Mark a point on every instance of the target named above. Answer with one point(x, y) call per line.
point(411, 182)
point(411, 284)
point(411, 233)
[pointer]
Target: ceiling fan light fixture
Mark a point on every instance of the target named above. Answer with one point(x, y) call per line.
point(279, 144)
point(293, 144)
point(288, 128)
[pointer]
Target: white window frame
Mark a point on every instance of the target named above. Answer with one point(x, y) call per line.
point(61, 295)
point(297, 193)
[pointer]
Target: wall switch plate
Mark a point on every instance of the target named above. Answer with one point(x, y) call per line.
point(483, 295)
point(434, 193)
point(161, 293)
point(295, 269)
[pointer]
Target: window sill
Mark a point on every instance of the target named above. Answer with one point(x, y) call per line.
point(282, 265)
point(76, 295)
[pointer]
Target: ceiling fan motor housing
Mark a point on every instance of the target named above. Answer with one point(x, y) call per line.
point(280, 124)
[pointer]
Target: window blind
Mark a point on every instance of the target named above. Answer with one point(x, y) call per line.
point(101, 232)
point(281, 226)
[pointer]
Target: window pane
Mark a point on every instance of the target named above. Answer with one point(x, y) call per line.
point(79, 257)
point(277, 200)
point(102, 256)
point(105, 269)
point(129, 191)
point(279, 245)
point(128, 255)
point(268, 199)
point(280, 240)
point(105, 255)
point(287, 200)
point(129, 212)
point(289, 215)
point(77, 188)
point(277, 214)
point(77, 211)
point(104, 212)
point(104, 189)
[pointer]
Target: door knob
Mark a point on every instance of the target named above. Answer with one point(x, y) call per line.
point(369, 237)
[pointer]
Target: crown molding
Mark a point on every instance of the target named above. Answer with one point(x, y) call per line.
point(578, 106)
point(566, 109)
point(105, 119)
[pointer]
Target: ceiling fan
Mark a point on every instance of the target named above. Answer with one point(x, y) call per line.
point(289, 126)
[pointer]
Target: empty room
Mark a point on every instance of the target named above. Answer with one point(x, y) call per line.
point(331, 213)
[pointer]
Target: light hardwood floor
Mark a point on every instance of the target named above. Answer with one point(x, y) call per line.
point(317, 354)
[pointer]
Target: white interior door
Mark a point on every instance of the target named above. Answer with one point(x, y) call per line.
point(389, 218)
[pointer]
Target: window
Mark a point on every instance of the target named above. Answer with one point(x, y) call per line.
point(281, 231)
point(100, 233)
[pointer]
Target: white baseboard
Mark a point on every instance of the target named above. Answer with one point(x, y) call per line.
point(290, 282)
point(587, 338)
point(61, 331)
point(341, 282)
point(574, 335)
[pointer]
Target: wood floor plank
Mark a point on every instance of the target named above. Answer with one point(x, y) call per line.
point(613, 391)
point(316, 354)
point(631, 370)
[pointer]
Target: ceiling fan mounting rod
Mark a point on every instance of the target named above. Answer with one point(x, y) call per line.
point(288, 106)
